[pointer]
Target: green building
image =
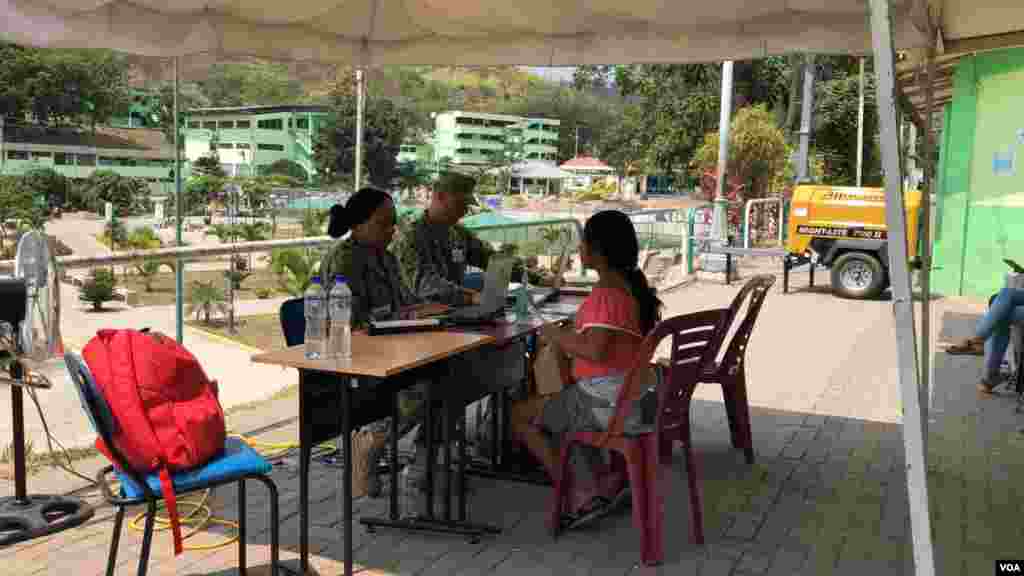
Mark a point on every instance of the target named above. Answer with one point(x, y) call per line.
point(476, 137)
point(980, 184)
point(138, 152)
point(248, 139)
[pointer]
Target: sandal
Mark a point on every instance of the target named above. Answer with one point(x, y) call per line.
point(596, 508)
point(970, 347)
point(988, 386)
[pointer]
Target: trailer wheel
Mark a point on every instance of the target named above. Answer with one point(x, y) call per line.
point(858, 275)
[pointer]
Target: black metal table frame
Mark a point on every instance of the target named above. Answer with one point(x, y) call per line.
point(423, 523)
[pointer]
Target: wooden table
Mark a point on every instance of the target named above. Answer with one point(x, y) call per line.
point(376, 359)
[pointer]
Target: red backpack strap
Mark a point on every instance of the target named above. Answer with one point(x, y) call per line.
point(171, 500)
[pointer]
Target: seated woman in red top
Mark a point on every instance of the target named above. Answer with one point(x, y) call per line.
point(610, 326)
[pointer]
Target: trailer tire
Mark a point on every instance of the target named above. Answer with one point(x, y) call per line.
point(858, 275)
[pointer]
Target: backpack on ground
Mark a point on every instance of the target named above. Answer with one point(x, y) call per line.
point(168, 415)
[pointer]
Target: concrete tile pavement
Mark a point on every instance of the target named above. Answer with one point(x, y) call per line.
point(827, 494)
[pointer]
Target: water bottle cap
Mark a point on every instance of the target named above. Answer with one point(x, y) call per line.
point(316, 280)
point(340, 279)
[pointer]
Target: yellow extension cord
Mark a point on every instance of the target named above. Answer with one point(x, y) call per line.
point(199, 514)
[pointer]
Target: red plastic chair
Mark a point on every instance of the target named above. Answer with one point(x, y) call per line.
point(730, 371)
point(693, 336)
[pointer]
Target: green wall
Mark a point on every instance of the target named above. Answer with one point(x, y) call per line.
point(980, 189)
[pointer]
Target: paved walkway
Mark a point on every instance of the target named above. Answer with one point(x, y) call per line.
point(826, 496)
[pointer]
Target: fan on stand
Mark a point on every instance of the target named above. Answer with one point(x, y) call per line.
point(31, 295)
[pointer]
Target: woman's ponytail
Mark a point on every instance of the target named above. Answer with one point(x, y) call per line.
point(648, 304)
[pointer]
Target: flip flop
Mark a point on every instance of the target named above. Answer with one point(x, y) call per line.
point(596, 508)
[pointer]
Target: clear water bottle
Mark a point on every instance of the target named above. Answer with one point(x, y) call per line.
point(340, 311)
point(316, 320)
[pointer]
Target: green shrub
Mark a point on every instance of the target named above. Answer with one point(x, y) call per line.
point(98, 287)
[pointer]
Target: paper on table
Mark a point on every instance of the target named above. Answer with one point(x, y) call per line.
point(562, 308)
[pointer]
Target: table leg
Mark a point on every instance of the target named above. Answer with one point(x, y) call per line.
point(428, 423)
point(305, 453)
point(446, 424)
point(394, 456)
point(462, 465)
point(346, 432)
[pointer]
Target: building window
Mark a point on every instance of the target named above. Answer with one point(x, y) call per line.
point(242, 124)
point(86, 159)
point(226, 146)
point(194, 125)
point(106, 161)
point(272, 124)
point(38, 155)
point(226, 124)
point(210, 125)
point(302, 123)
point(17, 155)
point(242, 146)
point(275, 147)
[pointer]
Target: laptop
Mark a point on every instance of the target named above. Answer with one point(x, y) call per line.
point(492, 302)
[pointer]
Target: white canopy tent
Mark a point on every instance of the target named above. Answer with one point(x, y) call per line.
point(368, 33)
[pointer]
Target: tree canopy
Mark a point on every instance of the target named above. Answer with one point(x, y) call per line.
point(61, 87)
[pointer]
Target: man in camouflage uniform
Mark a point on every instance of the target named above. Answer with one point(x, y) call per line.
point(434, 249)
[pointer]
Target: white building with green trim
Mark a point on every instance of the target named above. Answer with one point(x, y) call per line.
point(248, 139)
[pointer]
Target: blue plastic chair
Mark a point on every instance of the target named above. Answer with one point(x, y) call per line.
point(236, 464)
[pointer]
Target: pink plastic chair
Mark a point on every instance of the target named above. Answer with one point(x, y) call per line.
point(731, 372)
point(693, 347)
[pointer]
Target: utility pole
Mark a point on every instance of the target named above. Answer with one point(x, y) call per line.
point(577, 153)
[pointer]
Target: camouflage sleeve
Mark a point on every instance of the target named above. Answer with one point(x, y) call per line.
point(478, 252)
point(423, 274)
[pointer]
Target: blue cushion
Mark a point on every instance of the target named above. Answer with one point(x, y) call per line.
point(238, 460)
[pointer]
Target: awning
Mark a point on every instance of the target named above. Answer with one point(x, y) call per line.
point(454, 32)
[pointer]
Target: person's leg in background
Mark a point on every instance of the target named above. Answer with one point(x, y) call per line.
point(994, 328)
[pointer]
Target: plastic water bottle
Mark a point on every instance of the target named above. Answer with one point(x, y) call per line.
point(316, 320)
point(340, 311)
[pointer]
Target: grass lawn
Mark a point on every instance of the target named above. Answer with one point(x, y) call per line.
point(262, 331)
point(163, 285)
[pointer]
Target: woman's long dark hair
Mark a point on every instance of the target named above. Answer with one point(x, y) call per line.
point(359, 208)
point(611, 234)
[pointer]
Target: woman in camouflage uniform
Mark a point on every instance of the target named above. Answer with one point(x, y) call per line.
point(378, 291)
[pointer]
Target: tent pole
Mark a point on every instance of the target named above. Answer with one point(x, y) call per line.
point(179, 272)
point(926, 236)
point(360, 104)
point(903, 305)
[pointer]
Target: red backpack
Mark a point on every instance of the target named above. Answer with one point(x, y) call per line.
point(168, 415)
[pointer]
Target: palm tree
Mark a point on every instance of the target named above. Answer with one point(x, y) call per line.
point(294, 269)
point(204, 298)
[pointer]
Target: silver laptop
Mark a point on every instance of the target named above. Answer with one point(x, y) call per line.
point(496, 279)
